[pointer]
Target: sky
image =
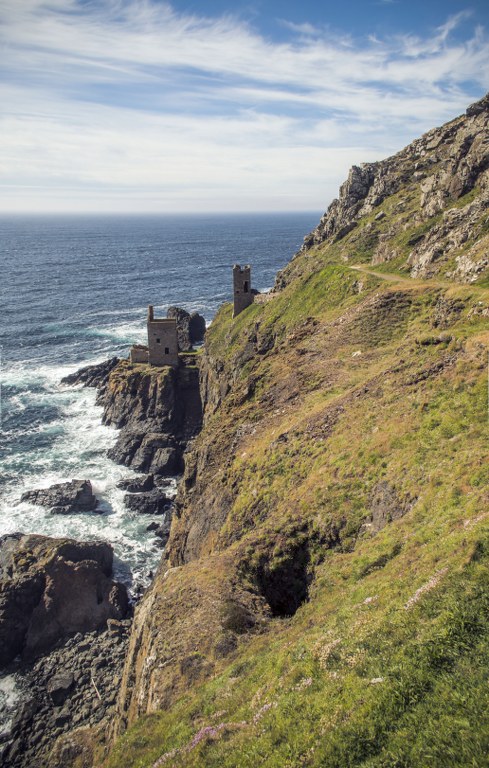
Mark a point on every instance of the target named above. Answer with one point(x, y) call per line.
point(146, 106)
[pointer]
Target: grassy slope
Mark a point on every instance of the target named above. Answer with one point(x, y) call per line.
point(387, 662)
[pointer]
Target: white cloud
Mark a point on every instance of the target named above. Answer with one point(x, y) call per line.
point(132, 104)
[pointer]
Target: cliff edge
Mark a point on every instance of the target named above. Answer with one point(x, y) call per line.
point(324, 600)
point(422, 211)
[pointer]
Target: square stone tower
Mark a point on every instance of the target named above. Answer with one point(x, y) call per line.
point(162, 340)
point(242, 295)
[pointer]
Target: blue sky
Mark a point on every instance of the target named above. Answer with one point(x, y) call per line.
point(148, 106)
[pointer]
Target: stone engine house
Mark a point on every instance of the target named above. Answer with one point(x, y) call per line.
point(162, 346)
point(242, 295)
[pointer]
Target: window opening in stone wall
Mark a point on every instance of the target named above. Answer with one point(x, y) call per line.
point(167, 350)
point(157, 341)
point(245, 286)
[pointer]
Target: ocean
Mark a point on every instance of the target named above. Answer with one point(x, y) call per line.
point(74, 291)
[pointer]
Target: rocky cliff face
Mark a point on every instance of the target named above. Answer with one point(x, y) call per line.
point(424, 208)
point(63, 634)
point(336, 485)
point(52, 588)
point(157, 411)
point(183, 632)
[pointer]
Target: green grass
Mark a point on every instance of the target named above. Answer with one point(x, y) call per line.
point(302, 694)
point(409, 690)
point(335, 390)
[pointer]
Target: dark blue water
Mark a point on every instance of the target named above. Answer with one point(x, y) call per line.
point(74, 290)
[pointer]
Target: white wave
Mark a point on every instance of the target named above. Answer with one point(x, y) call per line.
point(16, 404)
point(24, 376)
point(10, 694)
point(126, 333)
point(135, 548)
point(79, 451)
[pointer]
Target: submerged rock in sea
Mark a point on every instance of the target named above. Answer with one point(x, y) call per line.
point(52, 588)
point(64, 498)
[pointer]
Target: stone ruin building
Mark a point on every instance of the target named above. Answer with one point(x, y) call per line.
point(242, 294)
point(162, 346)
point(163, 343)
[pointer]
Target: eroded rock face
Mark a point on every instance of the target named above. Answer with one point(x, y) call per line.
point(197, 327)
point(190, 327)
point(386, 505)
point(185, 609)
point(52, 588)
point(158, 411)
point(430, 177)
point(148, 503)
point(64, 498)
point(154, 452)
point(137, 484)
point(93, 375)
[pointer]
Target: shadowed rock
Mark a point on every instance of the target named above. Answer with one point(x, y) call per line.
point(137, 484)
point(190, 327)
point(64, 498)
point(60, 686)
point(51, 588)
point(150, 503)
point(197, 327)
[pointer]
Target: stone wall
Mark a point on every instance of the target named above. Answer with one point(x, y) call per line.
point(242, 295)
point(139, 354)
point(162, 340)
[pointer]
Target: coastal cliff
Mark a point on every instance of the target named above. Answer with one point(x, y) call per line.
point(422, 211)
point(322, 599)
point(157, 411)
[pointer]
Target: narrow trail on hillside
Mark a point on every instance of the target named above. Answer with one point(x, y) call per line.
point(391, 277)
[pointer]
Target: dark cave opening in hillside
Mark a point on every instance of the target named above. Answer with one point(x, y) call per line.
point(284, 582)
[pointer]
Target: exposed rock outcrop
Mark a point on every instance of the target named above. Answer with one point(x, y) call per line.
point(64, 693)
point(190, 327)
point(433, 225)
point(138, 484)
point(157, 410)
point(148, 503)
point(51, 588)
point(64, 498)
point(386, 506)
point(93, 375)
point(197, 327)
point(167, 651)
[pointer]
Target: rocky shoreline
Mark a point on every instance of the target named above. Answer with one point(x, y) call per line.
point(72, 688)
point(64, 624)
point(69, 678)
